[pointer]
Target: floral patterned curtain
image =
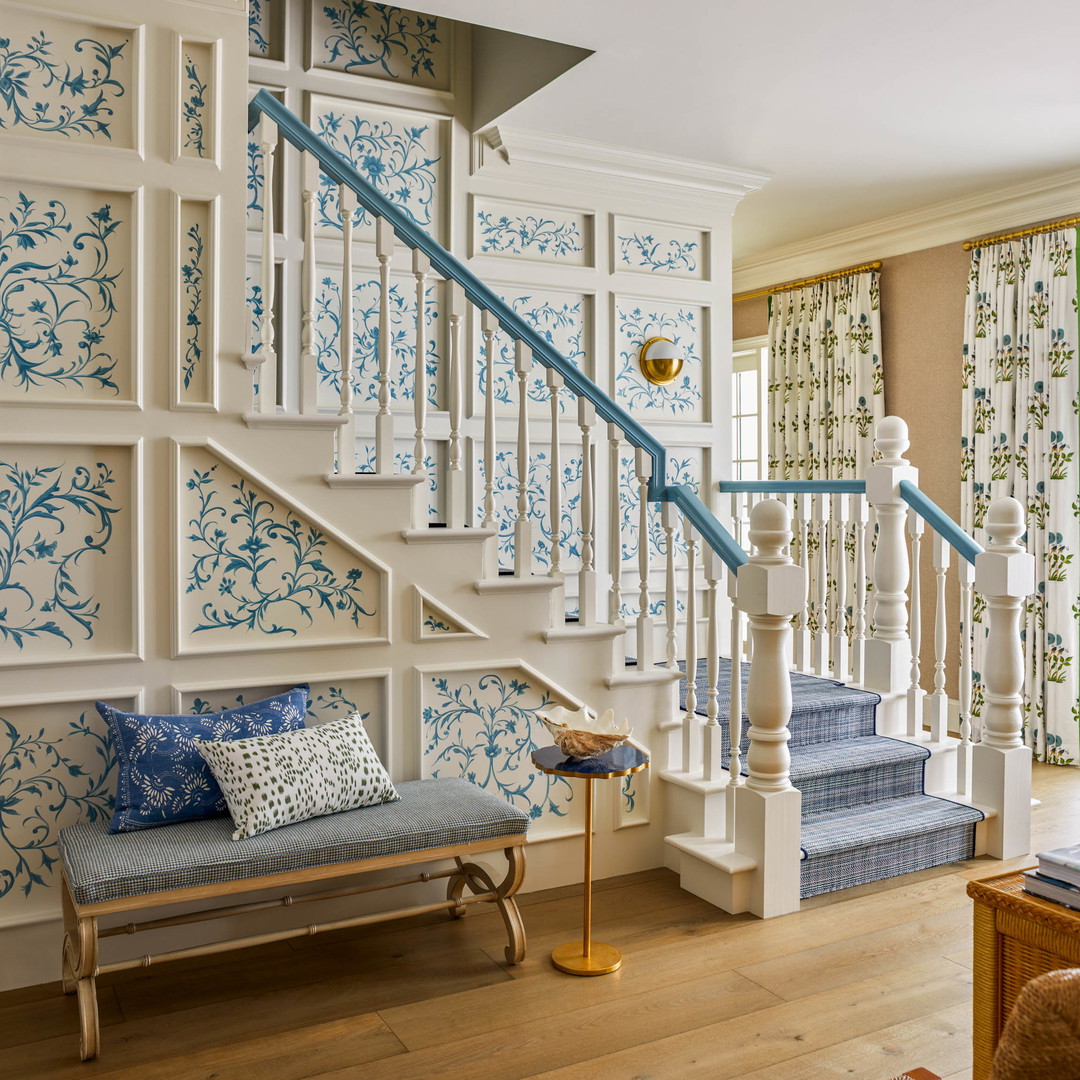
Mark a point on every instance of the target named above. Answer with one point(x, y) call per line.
point(825, 382)
point(1021, 403)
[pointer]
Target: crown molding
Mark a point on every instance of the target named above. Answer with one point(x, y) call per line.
point(952, 221)
point(603, 163)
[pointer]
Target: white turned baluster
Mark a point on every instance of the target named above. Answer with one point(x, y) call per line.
point(916, 693)
point(800, 537)
point(669, 518)
point(384, 420)
point(888, 652)
point(770, 591)
point(346, 434)
point(309, 374)
point(691, 743)
point(937, 705)
point(587, 613)
point(711, 751)
point(860, 513)
point(421, 266)
point(646, 650)
point(555, 384)
point(455, 479)
point(615, 437)
point(523, 532)
point(735, 703)
point(840, 658)
point(965, 573)
point(1001, 763)
point(821, 585)
point(268, 393)
point(489, 325)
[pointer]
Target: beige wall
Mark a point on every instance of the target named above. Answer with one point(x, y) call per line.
point(922, 327)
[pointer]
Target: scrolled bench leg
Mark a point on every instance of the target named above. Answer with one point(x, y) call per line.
point(479, 881)
point(79, 966)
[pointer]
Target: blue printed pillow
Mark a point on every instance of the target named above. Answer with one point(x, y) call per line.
point(163, 777)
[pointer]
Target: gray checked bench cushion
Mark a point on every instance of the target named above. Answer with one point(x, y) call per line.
point(430, 814)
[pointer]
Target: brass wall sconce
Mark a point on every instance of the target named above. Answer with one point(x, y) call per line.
point(661, 360)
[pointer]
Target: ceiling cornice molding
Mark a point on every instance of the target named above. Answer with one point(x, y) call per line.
point(951, 221)
point(603, 163)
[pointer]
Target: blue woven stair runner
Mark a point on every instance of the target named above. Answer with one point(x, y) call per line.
point(865, 815)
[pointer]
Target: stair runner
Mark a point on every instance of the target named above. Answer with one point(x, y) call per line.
point(865, 814)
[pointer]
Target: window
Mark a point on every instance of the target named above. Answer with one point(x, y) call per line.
point(750, 422)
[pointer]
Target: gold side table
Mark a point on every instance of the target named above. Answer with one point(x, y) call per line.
point(588, 957)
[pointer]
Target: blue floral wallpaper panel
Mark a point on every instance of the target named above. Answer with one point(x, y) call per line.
point(659, 248)
point(66, 268)
point(564, 320)
point(402, 153)
point(67, 80)
point(365, 318)
point(684, 467)
point(636, 321)
point(382, 42)
point(260, 32)
point(57, 768)
point(195, 326)
point(539, 489)
point(482, 725)
point(256, 573)
point(67, 517)
point(330, 698)
point(196, 99)
point(537, 233)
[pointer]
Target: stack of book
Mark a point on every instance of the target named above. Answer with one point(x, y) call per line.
point(1058, 876)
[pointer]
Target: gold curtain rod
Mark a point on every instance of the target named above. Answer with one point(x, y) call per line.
point(808, 281)
point(986, 241)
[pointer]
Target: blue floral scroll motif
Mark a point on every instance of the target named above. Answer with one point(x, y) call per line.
point(436, 626)
point(43, 787)
point(366, 35)
point(34, 86)
point(192, 274)
point(266, 566)
point(50, 523)
point(56, 296)
point(259, 27)
point(635, 327)
point(487, 735)
point(365, 315)
point(255, 307)
point(680, 471)
point(644, 251)
point(194, 106)
point(561, 324)
point(254, 182)
point(399, 160)
point(519, 234)
point(333, 701)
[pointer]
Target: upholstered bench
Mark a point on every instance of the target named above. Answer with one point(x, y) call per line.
point(106, 873)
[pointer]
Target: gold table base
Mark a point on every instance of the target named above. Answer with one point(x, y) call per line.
point(571, 958)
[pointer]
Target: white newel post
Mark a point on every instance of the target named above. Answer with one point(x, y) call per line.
point(770, 591)
point(1001, 763)
point(888, 651)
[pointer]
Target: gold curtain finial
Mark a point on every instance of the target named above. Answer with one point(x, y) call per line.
point(1004, 238)
point(773, 290)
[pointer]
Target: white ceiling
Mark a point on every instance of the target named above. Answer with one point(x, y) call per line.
point(859, 109)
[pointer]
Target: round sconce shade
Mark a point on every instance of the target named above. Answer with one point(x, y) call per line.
point(661, 360)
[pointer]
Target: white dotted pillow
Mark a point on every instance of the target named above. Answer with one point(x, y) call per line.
point(273, 780)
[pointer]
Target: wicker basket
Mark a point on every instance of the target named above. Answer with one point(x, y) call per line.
point(1017, 936)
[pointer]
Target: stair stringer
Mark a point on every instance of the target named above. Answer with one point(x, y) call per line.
point(511, 628)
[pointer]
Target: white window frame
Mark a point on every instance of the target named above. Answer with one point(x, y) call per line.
point(752, 354)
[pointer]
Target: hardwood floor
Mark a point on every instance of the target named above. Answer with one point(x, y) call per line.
point(861, 984)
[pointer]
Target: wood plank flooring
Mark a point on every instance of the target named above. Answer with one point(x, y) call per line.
point(860, 984)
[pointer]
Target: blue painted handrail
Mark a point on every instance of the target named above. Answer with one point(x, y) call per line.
point(794, 487)
point(939, 521)
point(337, 167)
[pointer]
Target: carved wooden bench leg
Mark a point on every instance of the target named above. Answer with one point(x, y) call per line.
point(80, 961)
point(479, 880)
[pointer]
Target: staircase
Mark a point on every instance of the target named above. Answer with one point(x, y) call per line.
point(748, 825)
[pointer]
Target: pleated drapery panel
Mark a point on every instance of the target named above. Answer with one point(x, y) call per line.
point(1019, 438)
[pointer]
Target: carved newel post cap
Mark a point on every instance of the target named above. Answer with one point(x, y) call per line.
point(891, 438)
point(770, 584)
point(1005, 569)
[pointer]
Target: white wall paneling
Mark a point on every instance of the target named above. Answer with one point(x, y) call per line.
point(195, 301)
point(198, 100)
point(662, 248)
point(504, 228)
